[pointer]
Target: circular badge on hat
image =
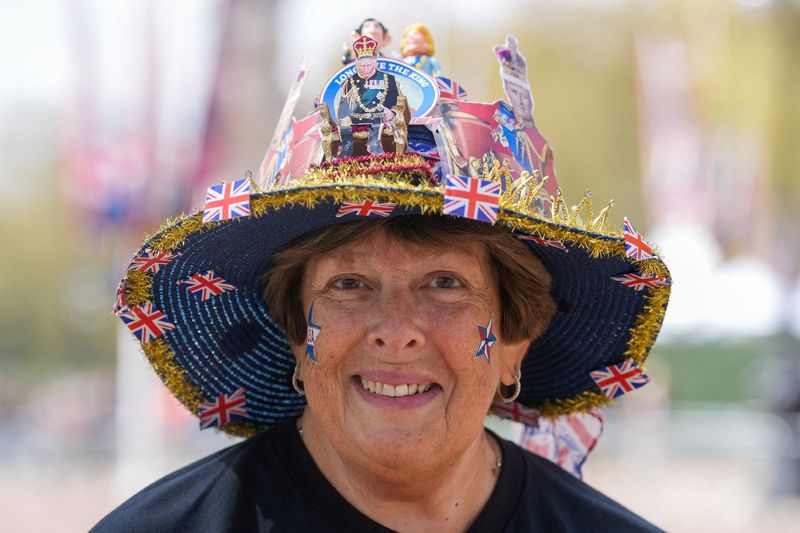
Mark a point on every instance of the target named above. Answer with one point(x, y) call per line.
point(420, 89)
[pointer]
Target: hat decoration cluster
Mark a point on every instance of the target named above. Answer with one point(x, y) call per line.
point(485, 162)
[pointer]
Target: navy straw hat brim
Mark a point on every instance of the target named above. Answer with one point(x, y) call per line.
point(229, 342)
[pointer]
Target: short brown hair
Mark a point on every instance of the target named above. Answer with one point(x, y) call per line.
point(523, 282)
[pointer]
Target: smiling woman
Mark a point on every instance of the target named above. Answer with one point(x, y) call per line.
point(358, 320)
point(395, 400)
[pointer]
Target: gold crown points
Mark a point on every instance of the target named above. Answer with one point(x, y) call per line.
point(572, 216)
point(526, 194)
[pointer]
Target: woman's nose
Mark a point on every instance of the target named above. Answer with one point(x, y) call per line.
point(396, 328)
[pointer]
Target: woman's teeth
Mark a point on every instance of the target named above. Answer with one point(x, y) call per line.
point(395, 391)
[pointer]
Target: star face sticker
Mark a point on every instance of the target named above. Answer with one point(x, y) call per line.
point(488, 339)
point(311, 335)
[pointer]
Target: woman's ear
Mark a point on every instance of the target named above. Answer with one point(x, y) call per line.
point(511, 356)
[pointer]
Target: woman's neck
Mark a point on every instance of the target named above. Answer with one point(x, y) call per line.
point(446, 493)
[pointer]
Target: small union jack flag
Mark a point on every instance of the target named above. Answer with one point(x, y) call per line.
point(488, 339)
point(311, 334)
point(616, 380)
point(517, 412)
point(222, 410)
point(544, 242)
point(639, 282)
point(145, 321)
point(450, 89)
point(366, 208)
point(207, 284)
point(635, 245)
point(151, 260)
point(471, 198)
point(227, 200)
point(120, 303)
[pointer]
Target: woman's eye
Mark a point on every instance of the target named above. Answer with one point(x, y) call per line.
point(446, 282)
point(347, 283)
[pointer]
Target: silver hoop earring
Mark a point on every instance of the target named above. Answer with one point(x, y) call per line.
point(517, 389)
point(297, 383)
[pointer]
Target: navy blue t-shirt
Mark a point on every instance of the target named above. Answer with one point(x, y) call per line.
point(270, 483)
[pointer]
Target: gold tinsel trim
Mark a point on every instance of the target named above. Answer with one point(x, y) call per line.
point(138, 287)
point(162, 359)
point(173, 234)
point(642, 337)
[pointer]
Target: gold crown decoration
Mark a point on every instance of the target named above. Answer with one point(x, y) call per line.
point(365, 47)
point(526, 195)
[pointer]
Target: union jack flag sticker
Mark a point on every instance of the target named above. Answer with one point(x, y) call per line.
point(366, 208)
point(640, 282)
point(222, 410)
point(450, 89)
point(517, 412)
point(206, 285)
point(471, 198)
point(616, 380)
point(635, 245)
point(544, 242)
point(151, 260)
point(145, 321)
point(120, 302)
point(227, 200)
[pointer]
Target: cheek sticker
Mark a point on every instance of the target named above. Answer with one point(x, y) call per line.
point(312, 334)
point(488, 339)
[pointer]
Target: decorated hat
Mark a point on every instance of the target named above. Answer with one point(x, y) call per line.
point(193, 293)
point(365, 46)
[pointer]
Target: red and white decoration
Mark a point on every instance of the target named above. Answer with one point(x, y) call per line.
point(223, 409)
point(635, 245)
point(544, 242)
point(640, 282)
point(151, 260)
point(145, 321)
point(616, 380)
point(227, 200)
point(206, 285)
point(366, 208)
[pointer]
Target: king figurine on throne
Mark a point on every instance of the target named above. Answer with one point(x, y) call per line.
point(367, 98)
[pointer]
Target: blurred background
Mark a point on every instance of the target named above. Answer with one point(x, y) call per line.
point(116, 114)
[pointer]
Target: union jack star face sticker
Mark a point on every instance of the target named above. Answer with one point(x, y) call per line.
point(616, 380)
point(640, 282)
point(227, 200)
point(366, 208)
point(544, 242)
point(311, 335)
point(151, 260)
point(635, 245)
point(472, 198)
point(206, 285)
point(488, 339)
point(222, 410)
point(145, 321)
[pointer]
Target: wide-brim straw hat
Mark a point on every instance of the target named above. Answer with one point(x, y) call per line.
point(193, 293)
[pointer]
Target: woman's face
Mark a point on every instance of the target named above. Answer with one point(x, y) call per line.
point(396, 318)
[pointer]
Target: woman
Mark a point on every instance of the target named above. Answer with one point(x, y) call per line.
point(358, 326)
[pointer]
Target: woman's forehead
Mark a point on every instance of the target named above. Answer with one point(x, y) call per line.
point(380, 244)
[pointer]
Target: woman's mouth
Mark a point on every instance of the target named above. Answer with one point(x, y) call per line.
point(395, 391)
